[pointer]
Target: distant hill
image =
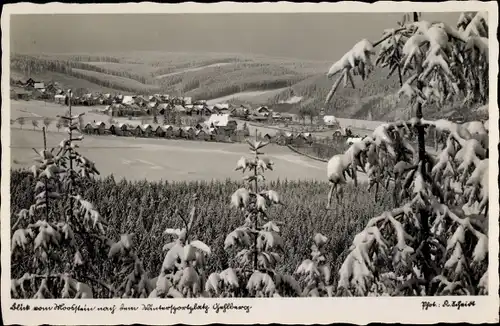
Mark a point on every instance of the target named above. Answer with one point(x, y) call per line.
point(375, 94)
point(243, 78)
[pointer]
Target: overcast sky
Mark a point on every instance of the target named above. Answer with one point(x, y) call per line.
point(314, 36)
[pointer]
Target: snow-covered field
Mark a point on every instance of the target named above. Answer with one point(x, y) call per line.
point(257, 97)
point(155, 159)
point(193, 69)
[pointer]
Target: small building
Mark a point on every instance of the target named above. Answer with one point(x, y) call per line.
point(159, 132)
point(263, 110)
point(39, 85)
point(99, 127)
point(222, 108)
point(303, 138)
point(177, 101)
point(201, 135)
point(91, 128)
point(120, 129)
point(162, 108)
point(179, 109)
point(241, 111)
point(147, 130)
point(128, 100)
point(169, 131)
point(330, 121)
point(164, 131)
point(222, 123)
point(178, 132)
point(30, 83)
point(20, 94)
point(268, 137)
point(138, 131)
point(59, 98)
point(189, 133)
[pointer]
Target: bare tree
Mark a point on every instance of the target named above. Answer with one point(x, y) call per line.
point(21, 122)
point(46, 122)
point(34, 122)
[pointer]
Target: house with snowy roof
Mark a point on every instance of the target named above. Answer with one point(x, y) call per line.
point(222, 123)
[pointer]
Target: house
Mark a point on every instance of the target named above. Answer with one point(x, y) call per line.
point(164, 131)
point(189, 133)
point(114, 110)
point(105, 99)
point(163, 108)
point(205, 111)
point(177, 101)
point(168, 131)
point(189, 109)
point(30, 83)
point(330, 121)
point(119, 130)
point(138, 131)
point(241, 111)
point(100, 127)
point(200, 109)
point(179, 109)
point(268, 137)
point(285, 117)
point(127, 99)
point(199, 102)
point(39, 85)
point(132, 110)
point(51, 88)
point(223, 108)
point(302, 138)
point(20, 94)
point(222, 122)
point(178, 132)
point(140, 101)
point(201, 135)
point(88, 100)
point(59, 98)
point(92, 128)
point(263, 110)
point(159, 132)
point(285, 137)
point(147, 130)
point(36, 93)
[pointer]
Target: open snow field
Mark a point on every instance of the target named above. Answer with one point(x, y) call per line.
point(155, 159)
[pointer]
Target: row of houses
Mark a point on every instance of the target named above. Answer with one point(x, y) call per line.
point(215, 124)
point(160, 131)
point(206, 132)
point(119, 105)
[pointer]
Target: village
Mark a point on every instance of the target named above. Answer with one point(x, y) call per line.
point(165, 116)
